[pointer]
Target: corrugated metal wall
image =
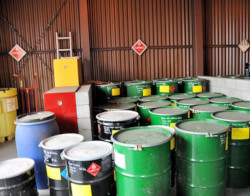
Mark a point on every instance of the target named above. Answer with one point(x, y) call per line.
point(227, 23)
point(165, 26)
point(29, 20)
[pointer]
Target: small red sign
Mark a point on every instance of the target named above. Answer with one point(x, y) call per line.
point(94, 169)
point(17, 52)
point(203, 88)
point(139, 47)
point(172, 88)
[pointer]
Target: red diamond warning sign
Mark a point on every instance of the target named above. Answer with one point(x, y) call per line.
point(94, 169)
point(172, 88)
point(17, 52)
point(139, 47)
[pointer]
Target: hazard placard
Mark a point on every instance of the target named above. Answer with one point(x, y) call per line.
point(139, 47)
point(17, 52)
point(94, 169)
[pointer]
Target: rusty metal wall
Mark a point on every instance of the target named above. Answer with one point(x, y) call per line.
point(227, 23)
point(165, 26)
point(29, 20)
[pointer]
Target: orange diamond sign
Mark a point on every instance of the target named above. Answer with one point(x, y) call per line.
point(17, 52)
point(139, 47)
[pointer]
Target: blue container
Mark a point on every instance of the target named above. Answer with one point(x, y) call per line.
point(30, 131)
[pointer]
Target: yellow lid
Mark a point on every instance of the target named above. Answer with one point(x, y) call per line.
point(8, 92)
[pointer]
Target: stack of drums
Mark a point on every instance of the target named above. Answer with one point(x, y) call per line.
point(107, 91)
point(205, 110)
point(89, 167)
point(142, 161)
point(193, 85)
point(166, 86)
point(30, 131)
point(139, 88)
point(208, 95)
point(224, 101)
point(113, 121)
point(179, 96)
point(119, 106)
point(201, 148)
point(146, 106)
point(241, 105)
point(17, 177)
point(238, 165)
point(55, 166)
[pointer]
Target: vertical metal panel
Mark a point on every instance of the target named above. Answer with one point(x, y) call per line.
point(226, 25)
point(164, 25)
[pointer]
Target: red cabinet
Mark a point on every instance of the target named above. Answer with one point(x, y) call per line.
point(62, 102)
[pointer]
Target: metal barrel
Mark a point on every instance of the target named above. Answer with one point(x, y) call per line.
point(208, 95)
point(205, 110)
point(193, 85)
point(118, 100)
point(240, 105)
point(201, 149)
point(139, 88)
point(89, 167)
point(106, 91)
point(166, 86)
point(179, 96)
point(113, 121)
point(119, 106)
point(55, 166)
point(153, 98)
point(17, 177)
point(143, 109)
point(142, 161)
point(224, 101)
point(238, 164)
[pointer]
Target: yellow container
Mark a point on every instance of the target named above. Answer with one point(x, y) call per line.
point(68, 72)
point(8, 107)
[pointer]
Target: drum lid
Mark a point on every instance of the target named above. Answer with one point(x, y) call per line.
point(15, 167)
point(117, 116)
point(119, 106)
point(88, 151)
point(192, 101)
point(109, 84)
point(182, 96)
point(154, 104)
point(207, 108)
point(232, 116)
point(242, 104)
point(62, 141)
point(169, 111)
point(153, 98)
point(210, 94)
point(35, 117)
point(124, 100)
point(224, 100)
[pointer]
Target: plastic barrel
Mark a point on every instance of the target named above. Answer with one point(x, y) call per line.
point(238, 165)
point(17, 177)
point(30, 131)
point(179, 96)
point(138, 88)
point(143, 109)
point(201, 149)
point(107, 91)
point(55, 166)
point(142, 161)
point(205, 110)
point(193, 85)
point(224, 101)
point(119, 106)
point(153, 98)
point(208, 95)
point(114, 121)
point(166, 86)
point(240, 105)
point(89, 168)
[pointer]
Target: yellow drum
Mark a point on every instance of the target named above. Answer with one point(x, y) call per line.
point(8, 107)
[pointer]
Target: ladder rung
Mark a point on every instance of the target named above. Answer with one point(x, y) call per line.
point(64, 50)
point(62, 38)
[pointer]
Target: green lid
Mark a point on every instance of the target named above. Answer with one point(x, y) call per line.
point(224, 100)
point(201, 126)
point(242, 104)
point(194, 101)
point(179, 96)
point(119, 106)
point(206, 108)
point(168, 111)
point(210, 94)
point(154, 104)
point(153, 98)
point(145, 136)
point(232, 116)
point(124, 100)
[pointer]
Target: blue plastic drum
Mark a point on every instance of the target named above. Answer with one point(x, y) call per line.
point(30, 131)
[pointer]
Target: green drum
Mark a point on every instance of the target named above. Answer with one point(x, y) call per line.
point(119, 106)
point(205, 110)
point(201, 150)
point(223, 101)
point(107, 91)
point(240, 105)
point(152, 98)
point(193, 85)
point(142, 161)
point(166, 86)
point(238, 164)
point(208, 95)
point(124, 100)
point(179, 96)
point(167, 116)
point(139, 88)
point(143, 109)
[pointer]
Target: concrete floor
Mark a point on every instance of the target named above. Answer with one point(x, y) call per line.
point(8, 151)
